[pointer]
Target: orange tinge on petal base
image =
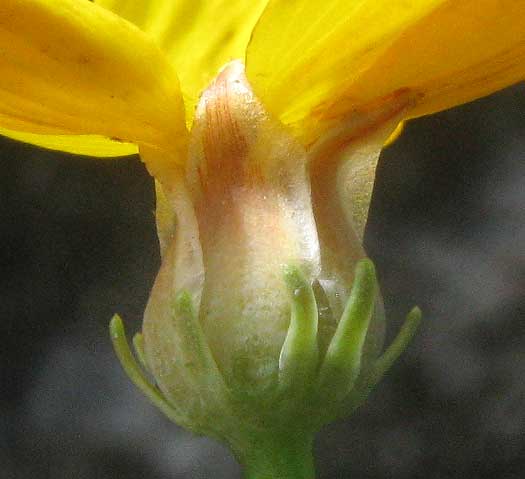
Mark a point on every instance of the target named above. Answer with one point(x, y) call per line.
point(239, 212)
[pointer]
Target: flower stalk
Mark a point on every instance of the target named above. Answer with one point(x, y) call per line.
point(286, 455)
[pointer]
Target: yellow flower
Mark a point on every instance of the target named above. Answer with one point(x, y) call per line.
point(262, 122)
point(70, 68)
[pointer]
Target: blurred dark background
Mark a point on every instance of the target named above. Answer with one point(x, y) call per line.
point(447, 232)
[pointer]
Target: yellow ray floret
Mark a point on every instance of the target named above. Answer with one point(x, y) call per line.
point(313, 64)
point(71, 67)
point(199, 36)
point(88, 145)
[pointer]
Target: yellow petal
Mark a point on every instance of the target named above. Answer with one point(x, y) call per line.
point(135, 11)
point(395, 134)
point(462, 51)
point(199, 36)
point(314, 63)
point(89, 145)
point(70, 67)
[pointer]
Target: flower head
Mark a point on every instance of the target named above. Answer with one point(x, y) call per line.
point(261, 122)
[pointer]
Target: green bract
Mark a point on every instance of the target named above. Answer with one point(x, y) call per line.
point(309, 390)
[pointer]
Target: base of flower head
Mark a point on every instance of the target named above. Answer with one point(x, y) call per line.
point(310, 390)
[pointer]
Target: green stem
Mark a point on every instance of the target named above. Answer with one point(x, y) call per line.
point(282, 456)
